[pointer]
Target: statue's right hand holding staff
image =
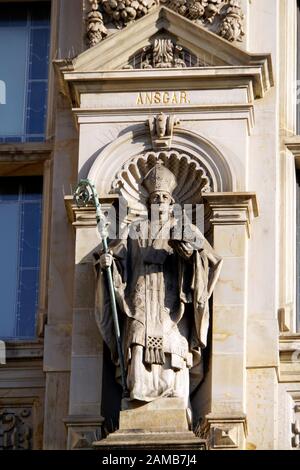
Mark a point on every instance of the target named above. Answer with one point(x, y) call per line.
point(106, 260)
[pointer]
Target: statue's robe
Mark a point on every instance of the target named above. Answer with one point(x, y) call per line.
point(162, 289)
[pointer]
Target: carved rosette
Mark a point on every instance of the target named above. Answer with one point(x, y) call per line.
point(225, 16)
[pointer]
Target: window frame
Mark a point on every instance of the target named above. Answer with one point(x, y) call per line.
point(33, 159)
point(50, 80)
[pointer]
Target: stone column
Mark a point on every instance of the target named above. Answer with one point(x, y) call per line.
point(231, 216)
point(84, 422)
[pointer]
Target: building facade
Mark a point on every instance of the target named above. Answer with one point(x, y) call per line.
point(82, 87)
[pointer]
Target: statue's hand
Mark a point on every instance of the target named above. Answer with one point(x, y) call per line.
point(106, 260)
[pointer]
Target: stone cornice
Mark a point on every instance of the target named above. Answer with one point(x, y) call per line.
point(232, 208)
point(289, 352)
point(20, 350)
point(28, 151)
point(293, 144)
point(86, 216)
point(221, 77)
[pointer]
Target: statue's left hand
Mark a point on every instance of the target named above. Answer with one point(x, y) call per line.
point(184, 249)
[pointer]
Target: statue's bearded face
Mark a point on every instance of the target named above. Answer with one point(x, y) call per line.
point(162, 200)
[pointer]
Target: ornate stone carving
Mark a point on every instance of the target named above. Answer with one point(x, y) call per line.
point(164, 53)
point(96, 30)
point(161, 130)
point(229, 12)
point(123, 12)
point(15, 429)
point(231, 27)
point(225, 17)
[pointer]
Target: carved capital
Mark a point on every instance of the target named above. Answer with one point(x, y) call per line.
point(232, 208)
point(81, 217)
point(289, 353)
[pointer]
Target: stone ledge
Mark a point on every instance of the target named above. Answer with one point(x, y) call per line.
point(28, 151)
point(19, 350)
point(146, 440)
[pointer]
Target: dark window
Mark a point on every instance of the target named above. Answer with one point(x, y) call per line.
point(24, 59)
point(20, 215)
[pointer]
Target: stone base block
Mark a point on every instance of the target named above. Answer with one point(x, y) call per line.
point(165, 414)
point(154, 441)
point(162, 424)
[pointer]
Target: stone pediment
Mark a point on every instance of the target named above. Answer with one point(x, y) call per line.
point(195, 50)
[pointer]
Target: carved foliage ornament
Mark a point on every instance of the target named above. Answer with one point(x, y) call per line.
point(225, 15)
point(163, 54)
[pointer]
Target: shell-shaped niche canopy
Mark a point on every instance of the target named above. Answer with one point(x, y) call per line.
point(192, 179)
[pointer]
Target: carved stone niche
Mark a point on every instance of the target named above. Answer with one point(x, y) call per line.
point(16, 426)
point(192, 181)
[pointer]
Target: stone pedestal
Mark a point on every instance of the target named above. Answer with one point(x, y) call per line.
point(159, 425)
point(165, 414)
